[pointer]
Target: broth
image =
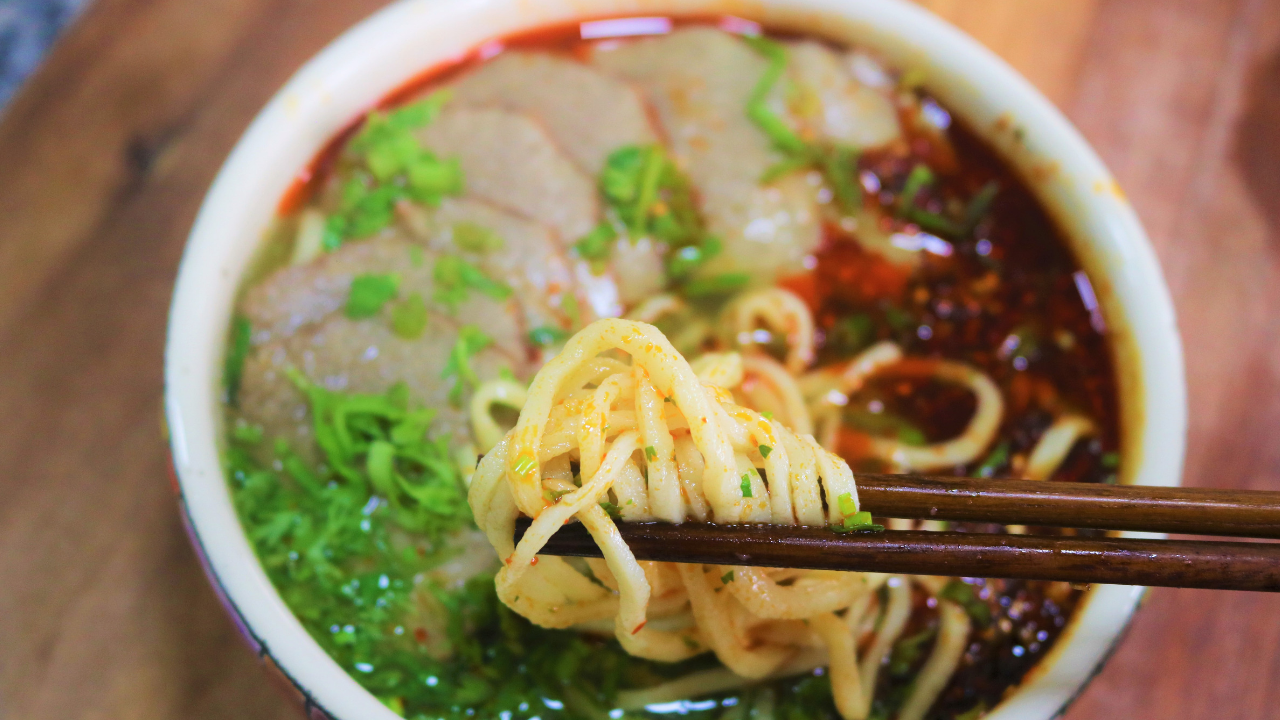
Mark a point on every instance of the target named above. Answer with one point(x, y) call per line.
point(400, 592)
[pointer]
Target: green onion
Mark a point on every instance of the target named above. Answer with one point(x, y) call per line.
point(726, 578)
point(409, 318)
point(476, 238)
point(885, 424)
point(767, 415)
point(525, 464)
point(650, 453)
point(546, 336)
point(963, 594)
point(596, 245)
point(614, 511)
point(746, 485)
point(1110, 460)
point(908, 651)
point(237, 352)
point(783, 138)
point(851, 333)
point(390, 166)
point(471, 340)
point(369, 292)
point(847, 505)
point(979, 205)
point(717, 285)
point(455, 278)
point(919, 178)
point(995, 460)
point(765, 450)
point(840, 166)
point(247, 433)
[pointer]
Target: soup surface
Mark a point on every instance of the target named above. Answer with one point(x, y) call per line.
point(729, 188)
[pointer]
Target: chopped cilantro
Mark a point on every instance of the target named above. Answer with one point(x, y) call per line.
point(369, 292)
point(237, 352)
point(546, 336)
point(471, 340)
point(963, 594)
point(476, 238)
point(409, 318)
point(455, 278)
point(746, 485)
point(650, 453)
point(726, 578)
point(765, 450)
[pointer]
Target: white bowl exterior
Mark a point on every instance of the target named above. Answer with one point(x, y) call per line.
point(393, 46)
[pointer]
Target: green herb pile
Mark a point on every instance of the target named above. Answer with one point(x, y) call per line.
point(646, 195)
point(387, 164)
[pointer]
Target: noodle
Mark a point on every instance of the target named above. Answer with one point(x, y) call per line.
point(660, 438)
point(827, 391)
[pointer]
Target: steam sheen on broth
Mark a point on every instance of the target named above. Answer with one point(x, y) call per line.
point(833, 253)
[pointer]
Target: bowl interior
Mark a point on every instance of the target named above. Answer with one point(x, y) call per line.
point(402, 41)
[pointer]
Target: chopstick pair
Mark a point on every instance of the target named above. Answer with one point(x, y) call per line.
point(1125, 561)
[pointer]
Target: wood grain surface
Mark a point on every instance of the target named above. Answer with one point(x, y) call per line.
point(104, 612)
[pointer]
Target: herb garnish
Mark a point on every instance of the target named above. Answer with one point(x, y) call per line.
point(838, 163)
point(646, 195)
point(455, 277)
point(409, 318)
point(237, 352)
point(390, 165)
point(369, 292)
point(458, 370)
point(963, 594)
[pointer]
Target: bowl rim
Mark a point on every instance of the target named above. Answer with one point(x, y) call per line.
point(391, 47)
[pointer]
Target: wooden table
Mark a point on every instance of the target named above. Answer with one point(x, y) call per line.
point(106, 154)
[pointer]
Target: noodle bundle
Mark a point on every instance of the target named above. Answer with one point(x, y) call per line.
point(653, 437)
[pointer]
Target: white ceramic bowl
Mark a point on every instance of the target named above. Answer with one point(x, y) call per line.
point(399, 42)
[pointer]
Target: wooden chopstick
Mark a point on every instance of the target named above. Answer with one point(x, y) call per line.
point(1191, 511)
point(1126, 561)
point(1123, 561)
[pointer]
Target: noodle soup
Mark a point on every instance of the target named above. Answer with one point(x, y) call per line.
point(891, 288)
